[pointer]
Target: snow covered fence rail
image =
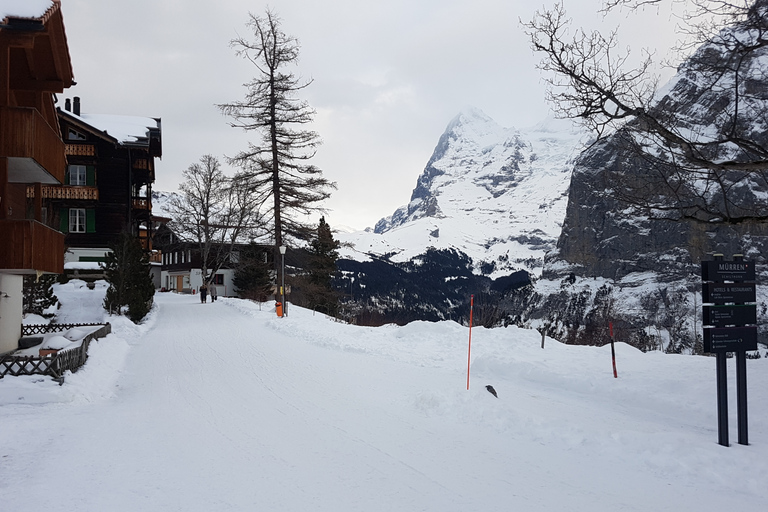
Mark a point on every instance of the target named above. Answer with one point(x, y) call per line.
point(32, 329)
point(53, 364)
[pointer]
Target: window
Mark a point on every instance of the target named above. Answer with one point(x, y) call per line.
point(75, 135)
point(77, 220)
point(77, 175)
point(218, 279)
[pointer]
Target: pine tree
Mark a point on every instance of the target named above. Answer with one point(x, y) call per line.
point(127, 271)
point(252, 276)
point(321, 266)
point(38, 293)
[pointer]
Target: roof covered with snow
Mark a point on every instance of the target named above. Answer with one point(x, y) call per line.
point(125, 129)
point(24, 8)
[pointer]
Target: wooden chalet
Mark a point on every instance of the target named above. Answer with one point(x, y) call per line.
point(108, 181)
point(34, 65)
point(181, 268)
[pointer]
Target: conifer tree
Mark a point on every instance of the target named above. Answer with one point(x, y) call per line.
point(127, 271)
point(252, 276)
point(277, 166)
point(38, 293)
point(321, 266)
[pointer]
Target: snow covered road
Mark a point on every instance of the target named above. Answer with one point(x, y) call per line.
point(221, 406)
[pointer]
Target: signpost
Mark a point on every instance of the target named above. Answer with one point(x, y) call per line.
point(730, 326)
point(722, 316)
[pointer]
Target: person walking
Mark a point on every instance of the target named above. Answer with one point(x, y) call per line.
point(214, 293)
point(203, 293)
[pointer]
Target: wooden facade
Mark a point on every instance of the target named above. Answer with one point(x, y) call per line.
point(26, 248)
point(115, 191)
point(34, 65)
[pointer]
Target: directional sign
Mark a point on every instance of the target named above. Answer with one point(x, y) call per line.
point(721, 316)
point(728, 270)
point(730, 339)
point(722, 293)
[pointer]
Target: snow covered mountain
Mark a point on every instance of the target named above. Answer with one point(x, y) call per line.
point(496, 194)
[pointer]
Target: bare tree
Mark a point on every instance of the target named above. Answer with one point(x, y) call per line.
point(277, 167)
point(214, 212)
point(702, 144)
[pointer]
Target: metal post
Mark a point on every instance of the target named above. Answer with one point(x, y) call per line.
point(741, 395)
point(282, 285)
point(722, 399)
point(741, 386)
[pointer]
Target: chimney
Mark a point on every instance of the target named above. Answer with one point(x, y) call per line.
point(67, 105)
point(76, 106)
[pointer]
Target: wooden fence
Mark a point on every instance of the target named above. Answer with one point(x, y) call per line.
point(54, 364)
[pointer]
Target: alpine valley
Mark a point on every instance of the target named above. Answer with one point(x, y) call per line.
point(527, 225)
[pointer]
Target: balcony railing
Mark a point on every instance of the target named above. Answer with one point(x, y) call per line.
point(142, 203)
point(24, 133)
point(66, 192)
point(28, 246)
point(80, 149)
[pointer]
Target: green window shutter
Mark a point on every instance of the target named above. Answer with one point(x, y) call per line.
point(64, 220)
point(90, 175)
point(90, 220)
point(66, 176)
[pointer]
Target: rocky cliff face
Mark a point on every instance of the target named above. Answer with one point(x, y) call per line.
point(604, 236)
point(615, 264)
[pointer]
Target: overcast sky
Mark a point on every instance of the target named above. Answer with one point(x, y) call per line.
point(388, 77)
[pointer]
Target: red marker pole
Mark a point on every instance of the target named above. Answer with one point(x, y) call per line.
point(469, 350)
point(613, 351)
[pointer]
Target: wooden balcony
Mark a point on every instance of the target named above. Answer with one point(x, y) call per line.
point(25, 136)
point(28, 246)
point(66, 192)
point(142, 203)
point(80, 149)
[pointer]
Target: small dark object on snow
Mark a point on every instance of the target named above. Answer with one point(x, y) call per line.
point(491, 390)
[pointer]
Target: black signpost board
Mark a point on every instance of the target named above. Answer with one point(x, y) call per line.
point(730, 315)
point(730, 339)
point(730, 326)
point(722, 293)
point(719, 270)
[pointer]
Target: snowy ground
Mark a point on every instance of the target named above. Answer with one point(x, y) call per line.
point(224, 406)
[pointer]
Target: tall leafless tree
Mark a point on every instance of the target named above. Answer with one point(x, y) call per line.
point(214, 212)
point(277, 166)
point(703, 144)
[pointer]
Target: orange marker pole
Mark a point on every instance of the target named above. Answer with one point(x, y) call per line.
point(469, 351)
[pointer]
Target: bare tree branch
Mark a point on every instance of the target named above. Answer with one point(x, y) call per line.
point(704, 140)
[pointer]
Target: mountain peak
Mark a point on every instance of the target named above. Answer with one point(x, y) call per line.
point(470, 114)
point(496, 194)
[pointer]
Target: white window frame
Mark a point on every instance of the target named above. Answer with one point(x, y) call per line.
point(78, 175)
point(74, 135)
point(77, 220)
